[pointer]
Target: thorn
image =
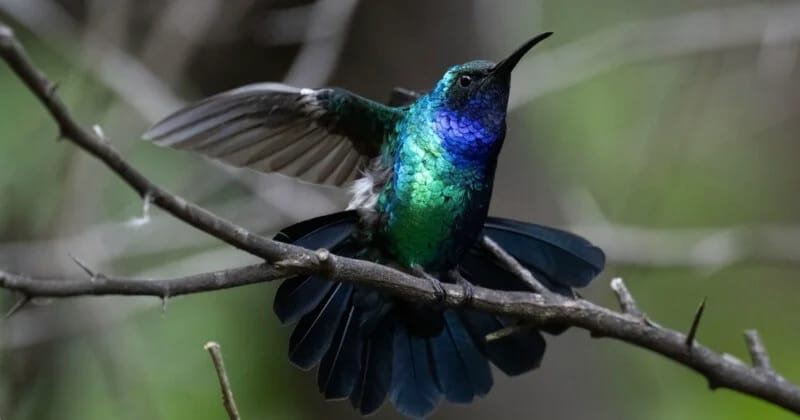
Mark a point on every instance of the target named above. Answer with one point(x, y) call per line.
point(19, 304)
point(695, 324)
point(145, 218)
point(164, 301)
point(92, 275)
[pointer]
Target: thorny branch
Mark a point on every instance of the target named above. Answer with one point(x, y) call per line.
point(630, 326)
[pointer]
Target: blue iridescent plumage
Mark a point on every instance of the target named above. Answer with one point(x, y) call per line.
point(427, 165)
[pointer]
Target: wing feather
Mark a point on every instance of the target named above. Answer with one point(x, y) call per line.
point(319, 135)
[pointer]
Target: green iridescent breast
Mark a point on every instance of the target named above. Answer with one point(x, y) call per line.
point(430, 201)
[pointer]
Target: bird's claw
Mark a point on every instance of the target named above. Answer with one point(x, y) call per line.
point(438, 291)
point(466, 287)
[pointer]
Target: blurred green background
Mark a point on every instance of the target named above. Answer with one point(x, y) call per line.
point(664, 131)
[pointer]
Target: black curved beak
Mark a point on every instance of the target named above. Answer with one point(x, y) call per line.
point(504, 67)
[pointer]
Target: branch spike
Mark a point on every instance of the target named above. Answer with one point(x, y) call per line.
point(698, 314)
point(91, 273)
point(19, 304)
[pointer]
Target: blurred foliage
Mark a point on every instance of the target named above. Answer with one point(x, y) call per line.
point(679, 143)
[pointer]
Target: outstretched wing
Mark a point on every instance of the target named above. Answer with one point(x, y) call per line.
point(323, 136)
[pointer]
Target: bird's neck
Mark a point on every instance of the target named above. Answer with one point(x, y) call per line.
point(471, 134)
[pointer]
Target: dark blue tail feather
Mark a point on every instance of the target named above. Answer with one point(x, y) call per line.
point(369, 346)
point(565, 258)
point(299, 296)
point(316, 330)
point(341, 365)
point(413, 388)
point(462, 372)
point(373, 382)
point(514, 354)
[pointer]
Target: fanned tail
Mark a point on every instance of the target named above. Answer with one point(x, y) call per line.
point(563, 258)
point(369, 347)
point(560, 260)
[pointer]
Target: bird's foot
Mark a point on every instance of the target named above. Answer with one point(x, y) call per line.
point(438, 290)
point(466, 287)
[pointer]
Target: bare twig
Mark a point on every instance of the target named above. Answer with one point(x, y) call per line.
point(514, 266)
point(758, 353)
point(225, 384)
point(695, 324)
point(534, 309)
point(103, 285)
point(626, 301)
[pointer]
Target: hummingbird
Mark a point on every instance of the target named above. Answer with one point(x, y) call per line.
point(420, 170)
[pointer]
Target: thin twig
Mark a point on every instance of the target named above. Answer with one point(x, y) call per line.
point(536, 309)
point(225, 384)
point(514, 266)
point(626, 301)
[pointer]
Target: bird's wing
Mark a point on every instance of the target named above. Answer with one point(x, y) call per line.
point(322, 136)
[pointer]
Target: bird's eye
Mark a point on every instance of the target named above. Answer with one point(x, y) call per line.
point(464, 81)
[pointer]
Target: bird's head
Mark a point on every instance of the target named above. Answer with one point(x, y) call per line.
point(469, 105)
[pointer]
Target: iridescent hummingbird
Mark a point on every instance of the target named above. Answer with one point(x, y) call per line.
point(420, 171)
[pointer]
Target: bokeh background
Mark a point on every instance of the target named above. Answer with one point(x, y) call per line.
point(667, 132)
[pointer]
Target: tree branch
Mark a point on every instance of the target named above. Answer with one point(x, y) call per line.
point(99, 284)
point(531, 308)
